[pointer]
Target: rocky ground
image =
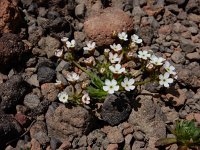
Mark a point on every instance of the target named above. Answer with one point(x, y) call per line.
point(31, 117)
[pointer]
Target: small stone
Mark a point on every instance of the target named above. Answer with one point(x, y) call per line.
point(33, 80)
point(83, 141)
point(178, 57)
point(80, 10)
point(65, 145)
point(179, 2)
point(35, 145)
point(193, 56)
point(39, 132)
point(45, 74)
point(112, 147)
point(31, 101)
point(49, 91)
point(128, 140)
point(61, 65)
point(115, 135)
point(138, 135)
point(153, 10)
point(21, 118)
point(49, 45)
point(194, 17)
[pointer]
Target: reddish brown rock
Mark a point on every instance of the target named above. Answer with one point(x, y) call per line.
point(35, 145)
point(154, 10)
point(176, 97)
point(100, 28)
point(10, 17)
point(49, 91)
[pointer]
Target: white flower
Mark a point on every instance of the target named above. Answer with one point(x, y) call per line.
point(58, 53)
point(169, 68)
point(90, 46)
point(72, 77)
point(136, 39)
point(144, 54)
point(117, 69)
point(116, 48)
point(128, 84)
point(71, 44)
point(113, 58)
point(123, 36)
point(165, 80)
point(63, 97)
point(156, 60)
point(64, 39)
point(85, 98)
point(111, 86)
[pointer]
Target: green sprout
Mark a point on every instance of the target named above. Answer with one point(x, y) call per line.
point(187, 135)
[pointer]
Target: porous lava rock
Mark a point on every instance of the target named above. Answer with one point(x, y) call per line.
point(64, 123)
point(100, 28)
point(11, 49)
point(12, 91)
point(9, 129)
point(10, 17)
point(115, 109)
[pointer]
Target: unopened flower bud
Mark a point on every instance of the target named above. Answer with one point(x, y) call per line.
point(102, 70)
point(130, 55)
point(150, 66)
point(106, 52)
point(114, 34)
point(90, 61)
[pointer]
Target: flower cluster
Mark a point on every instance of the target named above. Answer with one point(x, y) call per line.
point(111, 71)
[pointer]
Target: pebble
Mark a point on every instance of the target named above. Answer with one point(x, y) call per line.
point(193, 56)
point(178, 57)
point(31, 100)
point(115, 135)
point(80, 10)
point(138, 135)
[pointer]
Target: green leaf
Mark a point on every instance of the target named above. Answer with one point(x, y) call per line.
point(96, 93)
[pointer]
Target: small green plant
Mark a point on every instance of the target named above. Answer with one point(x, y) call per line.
point(120, 68)
point(187, 135)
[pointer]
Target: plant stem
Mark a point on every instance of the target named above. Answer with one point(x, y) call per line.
point(143, 82)
point(80, 67)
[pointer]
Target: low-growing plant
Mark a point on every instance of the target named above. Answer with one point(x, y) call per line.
point(187, 135)
point(120, 68)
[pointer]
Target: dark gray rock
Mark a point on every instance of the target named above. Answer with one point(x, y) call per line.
point(96, 138)
point(40, 109)
point(115, 109)
point(55, 143)
point(46, 74)
point(146, 33)
point(11, 49)
point(9, 129)
point(12, 92)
